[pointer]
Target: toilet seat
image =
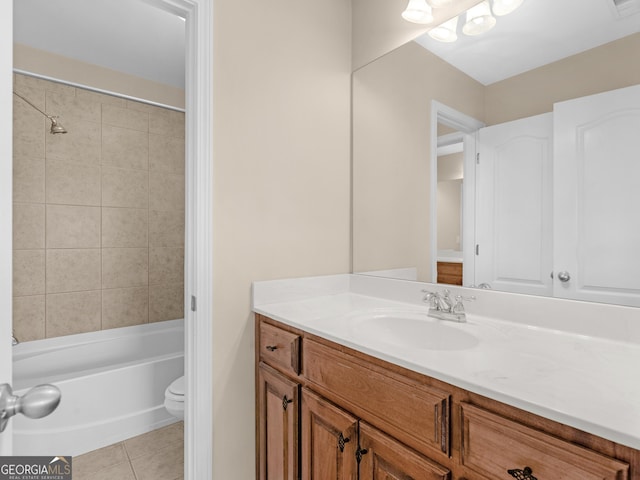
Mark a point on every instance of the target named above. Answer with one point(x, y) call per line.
point(174, 398)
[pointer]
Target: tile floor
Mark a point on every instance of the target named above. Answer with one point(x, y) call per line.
point(157, 455)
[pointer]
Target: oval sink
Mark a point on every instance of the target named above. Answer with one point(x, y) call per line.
point(412, 330)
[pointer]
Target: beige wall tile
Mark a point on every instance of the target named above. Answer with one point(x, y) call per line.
point(80, 145)
point(73, 226)
point(125, 267)
point(123, 307)
point(149, 443)
point(166, 265)
point(125, 227)
point(70, 107)
point(166, 229)
point(28, 126)
point(167, 122)
point(28, 272)
point(166, 154)
point(118, 116)
point(27, 81)
point(96, 460)
point(166, 302)
point(166, 192)
point(125, 188)
point(28, 226)
point(73, 270)
point(125, 148)
point(143, 107)
point(71, 313)
point(28, 318)
point(121, 471)
point(164, 464)
point(28, 179)
point(72, 184)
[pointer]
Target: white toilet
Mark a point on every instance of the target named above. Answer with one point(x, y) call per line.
point(174, 398)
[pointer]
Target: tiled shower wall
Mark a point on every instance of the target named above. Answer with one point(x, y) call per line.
point(98, 227)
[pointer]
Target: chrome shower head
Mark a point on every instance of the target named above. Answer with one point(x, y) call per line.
point(56, 127)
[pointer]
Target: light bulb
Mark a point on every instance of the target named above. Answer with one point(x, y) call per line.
point(445, 32)
point(418, 11)
point(479, 19)
point(504, 7)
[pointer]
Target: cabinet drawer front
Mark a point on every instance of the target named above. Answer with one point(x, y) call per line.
point(415, 414)
point(280, 349)
point(492, 445)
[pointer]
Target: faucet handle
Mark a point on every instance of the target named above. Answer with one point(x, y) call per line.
point(431, 298)
point(459, 306)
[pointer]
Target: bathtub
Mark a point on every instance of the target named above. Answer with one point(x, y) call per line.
point(112, 385)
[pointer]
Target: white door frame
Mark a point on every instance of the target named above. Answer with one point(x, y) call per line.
point(6, 202)
point(468, 126)
point(198, 222)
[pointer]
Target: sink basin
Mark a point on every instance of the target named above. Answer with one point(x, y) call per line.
point(413, 330)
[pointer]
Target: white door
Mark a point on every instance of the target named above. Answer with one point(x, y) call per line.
point(514, 206)
point(597, 197)
point(6, 155)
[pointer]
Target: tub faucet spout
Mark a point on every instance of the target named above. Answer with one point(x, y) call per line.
point(14, 340)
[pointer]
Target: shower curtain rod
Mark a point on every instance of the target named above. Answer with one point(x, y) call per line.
point(97, 90)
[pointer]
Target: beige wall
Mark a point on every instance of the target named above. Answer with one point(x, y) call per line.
point(450, 174)
point(391, 124)
point(281, 181)
point(36, 61)
point(611, 66)
point(98, 229)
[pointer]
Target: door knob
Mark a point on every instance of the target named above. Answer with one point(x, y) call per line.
point(564, 277)
point(38, 402)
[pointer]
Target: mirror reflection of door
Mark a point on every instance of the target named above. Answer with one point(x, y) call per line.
point(449, 211)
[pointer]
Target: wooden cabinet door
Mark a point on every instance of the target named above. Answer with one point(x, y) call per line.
point(329, 440)
point(383, 458)
point(278, 417)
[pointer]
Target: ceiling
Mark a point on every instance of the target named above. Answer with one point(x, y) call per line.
point(134, 37)
point(537, 33)
point(125, 35)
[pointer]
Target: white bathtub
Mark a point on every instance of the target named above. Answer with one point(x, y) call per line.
point(112, 384)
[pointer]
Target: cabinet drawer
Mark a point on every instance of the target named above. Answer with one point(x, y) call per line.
point(492, 445)
point(280, 349)
point(414, 413)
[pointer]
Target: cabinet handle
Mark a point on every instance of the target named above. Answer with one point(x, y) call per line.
point(271, 348)
point(285, 402)
point(341, 441)
point(522, 474)
point(360, 452)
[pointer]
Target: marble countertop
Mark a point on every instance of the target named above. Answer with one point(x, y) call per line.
point(584, 381)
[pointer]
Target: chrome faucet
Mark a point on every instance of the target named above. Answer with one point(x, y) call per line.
point(14, 340)
point(443, 307)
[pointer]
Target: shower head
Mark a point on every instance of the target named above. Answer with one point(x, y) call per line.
point(56, 127)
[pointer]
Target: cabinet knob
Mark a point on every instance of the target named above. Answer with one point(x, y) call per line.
point(525, 474)
point(285, 402)
point(341, 442)
point(271, 348)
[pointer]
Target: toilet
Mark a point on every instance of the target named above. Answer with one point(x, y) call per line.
point(174, 398)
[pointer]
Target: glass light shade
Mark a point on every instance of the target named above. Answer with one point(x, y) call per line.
point(440, 3)
point(504, 7)
point(418, 11)
point(479, 19)
point(445, 32)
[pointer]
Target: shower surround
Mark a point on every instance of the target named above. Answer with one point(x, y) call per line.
point(98, 224)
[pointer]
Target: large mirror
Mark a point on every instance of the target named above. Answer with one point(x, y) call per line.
point(420, 203)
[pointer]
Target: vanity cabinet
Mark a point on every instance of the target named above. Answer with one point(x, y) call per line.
point(449, 273)
point(325, 411)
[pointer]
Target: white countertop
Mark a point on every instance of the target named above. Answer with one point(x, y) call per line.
point(587, 382)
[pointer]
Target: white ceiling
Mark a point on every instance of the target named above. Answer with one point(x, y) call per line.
point(135, 37)
point(125, 35)
point(537, 33)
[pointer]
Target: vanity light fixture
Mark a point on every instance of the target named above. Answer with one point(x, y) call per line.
point(418, 11)
point(505, 7)
point(479, 19)
point(440, 3)
point(445, 32)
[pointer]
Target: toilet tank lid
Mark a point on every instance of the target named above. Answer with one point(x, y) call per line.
point(177, 386)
